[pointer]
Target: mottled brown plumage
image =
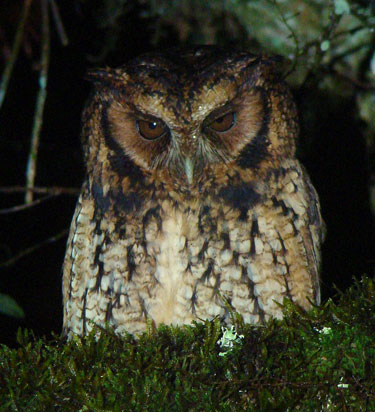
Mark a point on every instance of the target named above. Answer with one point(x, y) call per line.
point(192, 193)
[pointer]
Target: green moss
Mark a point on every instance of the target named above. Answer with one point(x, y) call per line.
point(321, 360)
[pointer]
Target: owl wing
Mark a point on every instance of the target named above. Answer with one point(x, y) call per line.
point(315, 231)
point(77, 264)
point(299, 196)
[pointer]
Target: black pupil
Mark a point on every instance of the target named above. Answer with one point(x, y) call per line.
point(153, 125)
point(220, 119)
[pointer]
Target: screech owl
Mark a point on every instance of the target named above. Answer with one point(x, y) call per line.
point(193, 196)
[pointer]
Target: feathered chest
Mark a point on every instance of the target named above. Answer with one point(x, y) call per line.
point(173, 263)
point(180, 265)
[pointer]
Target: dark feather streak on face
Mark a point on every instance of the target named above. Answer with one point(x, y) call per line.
point(120, 161)
point(257, 149)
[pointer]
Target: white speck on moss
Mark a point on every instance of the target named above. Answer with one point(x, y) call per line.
point(229, 339)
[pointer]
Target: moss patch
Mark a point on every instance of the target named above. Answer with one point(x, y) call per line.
point(320, 361)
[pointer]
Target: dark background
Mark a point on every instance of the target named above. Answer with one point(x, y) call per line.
point(332, 147)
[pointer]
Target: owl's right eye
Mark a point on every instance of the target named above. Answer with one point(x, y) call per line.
point(151, 129)
point(222, 123)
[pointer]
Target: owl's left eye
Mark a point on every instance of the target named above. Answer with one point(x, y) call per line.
point(223, 123)
point(152, 129)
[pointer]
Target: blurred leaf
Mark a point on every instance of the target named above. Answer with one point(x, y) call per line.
point(8, 306)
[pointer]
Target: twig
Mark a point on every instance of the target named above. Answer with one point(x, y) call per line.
point(32, 249)
point(348, 32)
point(19, 208)
point(55, 191)
point(328, 33)
point(38, 117)
point(58, 22)
point(50, 192)
point(15, 49)
point(357, 83)
point(294, 36)
point(348, 52)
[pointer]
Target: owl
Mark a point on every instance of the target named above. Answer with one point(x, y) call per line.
point(194, 203)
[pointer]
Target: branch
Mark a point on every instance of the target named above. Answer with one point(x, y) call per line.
point(54, 191)
point(38, 117)
point(48, 191)
point(19, 208)
point(357, 83)
point(32, 249)
point(291, 31)
point(15, 49)
point(58, 22)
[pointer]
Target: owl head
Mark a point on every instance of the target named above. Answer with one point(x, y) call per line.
point(186, 121)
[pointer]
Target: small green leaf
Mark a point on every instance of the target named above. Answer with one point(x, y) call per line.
point(342, 7)
point(8, 306)
point(325, 45)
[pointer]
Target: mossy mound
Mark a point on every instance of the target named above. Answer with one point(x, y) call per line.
point(320, 361)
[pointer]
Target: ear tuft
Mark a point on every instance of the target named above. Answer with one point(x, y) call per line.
point(105, 77)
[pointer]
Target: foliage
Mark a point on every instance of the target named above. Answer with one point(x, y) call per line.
point(323, 360)
point(314, 34)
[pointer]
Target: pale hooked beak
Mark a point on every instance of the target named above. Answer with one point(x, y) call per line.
point(189, 170)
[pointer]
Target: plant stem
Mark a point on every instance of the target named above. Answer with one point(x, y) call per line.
point(41, 98)
point(15, 49)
